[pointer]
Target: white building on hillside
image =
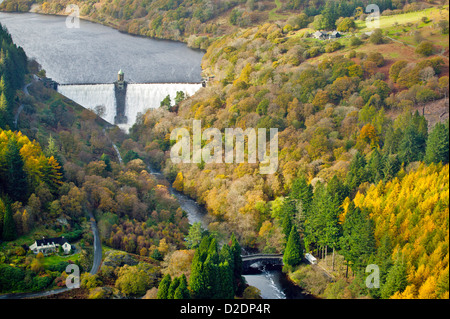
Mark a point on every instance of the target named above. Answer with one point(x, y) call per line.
point(50, 245)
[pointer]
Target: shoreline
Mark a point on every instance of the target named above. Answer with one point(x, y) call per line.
point(107, 24)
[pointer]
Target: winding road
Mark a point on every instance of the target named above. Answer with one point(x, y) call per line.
point(97, 246)
point(19, 110)
point(95, 267)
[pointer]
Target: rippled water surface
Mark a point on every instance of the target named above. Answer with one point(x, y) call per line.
point(94, 53)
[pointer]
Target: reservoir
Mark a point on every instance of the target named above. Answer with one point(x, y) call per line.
point(85, 61)
point(93, 53)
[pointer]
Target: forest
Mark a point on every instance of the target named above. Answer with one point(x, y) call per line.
point(350, 115)
point(58, 167)
point(363, 155)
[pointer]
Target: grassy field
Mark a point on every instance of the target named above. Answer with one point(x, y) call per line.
point(434, 14)
point(274, 15)
point(410, 29)
point(55, 259)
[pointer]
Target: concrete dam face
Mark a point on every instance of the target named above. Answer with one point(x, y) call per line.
point(121, 102)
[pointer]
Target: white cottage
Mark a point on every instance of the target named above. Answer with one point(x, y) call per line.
point(50, 245)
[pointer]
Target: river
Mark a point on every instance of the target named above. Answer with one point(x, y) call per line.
point(270, 280)
point(93, 54)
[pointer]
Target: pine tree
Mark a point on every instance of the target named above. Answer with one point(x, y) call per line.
point(197, 281)
point(236, 252)
point(194, 236)
point(396, 280)
point(337, 189)
point(302, 191)
point(9, 226)
point(212, 251)
point(413, 142)
point(357, 172)
point(391, 166)
point(173, 287)
point(182, 291)
point(330, 15)
point(293, 254)
point(357, 241)
point(16, 186)
point(210, 275)
point(383, 260)
point(375, 166)
point(287, 224)
point(4, 110)
point(2, 217)
point(225, 289)
point(163, 288)
point(410, 148)
point(437, 149)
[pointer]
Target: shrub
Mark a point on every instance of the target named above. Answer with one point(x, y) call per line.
point(136, 280)
point(346, 25)
point(313, 52)
point(443, 25)
point(377, 37)
point(355, 41)
point(395, 69)
point(377, 58)
point(425, 48)
point(332, 47)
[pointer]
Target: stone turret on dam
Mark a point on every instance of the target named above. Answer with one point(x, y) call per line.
point(120, 91)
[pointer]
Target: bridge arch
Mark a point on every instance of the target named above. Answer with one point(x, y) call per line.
point(262, 259)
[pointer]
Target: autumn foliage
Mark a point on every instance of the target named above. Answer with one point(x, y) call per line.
point(413, 212)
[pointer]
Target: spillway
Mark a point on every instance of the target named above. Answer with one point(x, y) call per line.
point(139, 97)
point(90, 96)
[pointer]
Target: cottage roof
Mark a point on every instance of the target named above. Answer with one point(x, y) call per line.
point(48, 241)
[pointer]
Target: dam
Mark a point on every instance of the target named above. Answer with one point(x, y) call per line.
point(121, 102)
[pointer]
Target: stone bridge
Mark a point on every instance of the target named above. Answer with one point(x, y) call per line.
point(264, 259)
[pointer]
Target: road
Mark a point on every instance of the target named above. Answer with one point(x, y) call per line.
point(19, 110)
point(95, 267)
point(97, 246)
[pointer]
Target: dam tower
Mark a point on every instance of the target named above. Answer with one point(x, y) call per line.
point(120, 91)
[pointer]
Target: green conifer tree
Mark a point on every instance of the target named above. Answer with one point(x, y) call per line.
point(9, 226)
point(438, 144)
point(225, 289)
point(173, 287)
point(16, 185)
point(302, 191)
point(182, 291)
point(396, 280)
point(163, 288)
point(293, 254)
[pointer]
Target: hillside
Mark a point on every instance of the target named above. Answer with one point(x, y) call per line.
point(362, 165)
point(349, 113)
point(56, 168)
